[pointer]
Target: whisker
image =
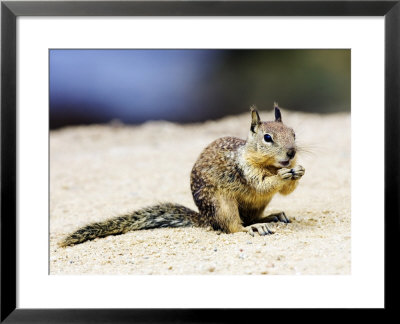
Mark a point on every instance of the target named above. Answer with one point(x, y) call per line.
point(310, 149)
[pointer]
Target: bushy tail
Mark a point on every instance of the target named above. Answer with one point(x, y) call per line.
point(163, 215)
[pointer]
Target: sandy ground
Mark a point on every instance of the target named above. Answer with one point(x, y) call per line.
point(97, 172)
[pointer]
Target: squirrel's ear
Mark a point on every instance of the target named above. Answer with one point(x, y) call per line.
point(278, 116)
point(255, 118)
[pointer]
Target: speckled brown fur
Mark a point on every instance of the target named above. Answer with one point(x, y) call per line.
point(232, 182)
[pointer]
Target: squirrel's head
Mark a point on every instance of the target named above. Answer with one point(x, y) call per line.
point(271, 143)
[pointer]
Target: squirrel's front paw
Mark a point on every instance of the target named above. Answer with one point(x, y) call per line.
point(296, 173)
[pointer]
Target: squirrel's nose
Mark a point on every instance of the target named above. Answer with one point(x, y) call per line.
point(291, 153)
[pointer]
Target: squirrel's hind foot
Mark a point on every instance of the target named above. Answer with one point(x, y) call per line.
point(276, 217)
point(262, 229)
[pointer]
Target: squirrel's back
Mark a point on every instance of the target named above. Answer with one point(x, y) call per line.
point(217, 164)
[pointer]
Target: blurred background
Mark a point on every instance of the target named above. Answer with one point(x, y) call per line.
point(133, 86)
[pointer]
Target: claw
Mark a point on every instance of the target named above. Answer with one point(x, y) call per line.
point(262, 230)
point(282, 218)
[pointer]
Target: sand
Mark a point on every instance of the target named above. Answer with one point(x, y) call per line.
point(101, 171)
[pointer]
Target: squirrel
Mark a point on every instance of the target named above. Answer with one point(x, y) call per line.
point(232, 182)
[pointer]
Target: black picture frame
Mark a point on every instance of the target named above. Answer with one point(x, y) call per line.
point(10, 10)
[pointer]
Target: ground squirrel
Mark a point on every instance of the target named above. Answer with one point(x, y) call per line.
point(232, 182)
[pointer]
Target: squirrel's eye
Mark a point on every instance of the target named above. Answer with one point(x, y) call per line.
point(268, 138)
